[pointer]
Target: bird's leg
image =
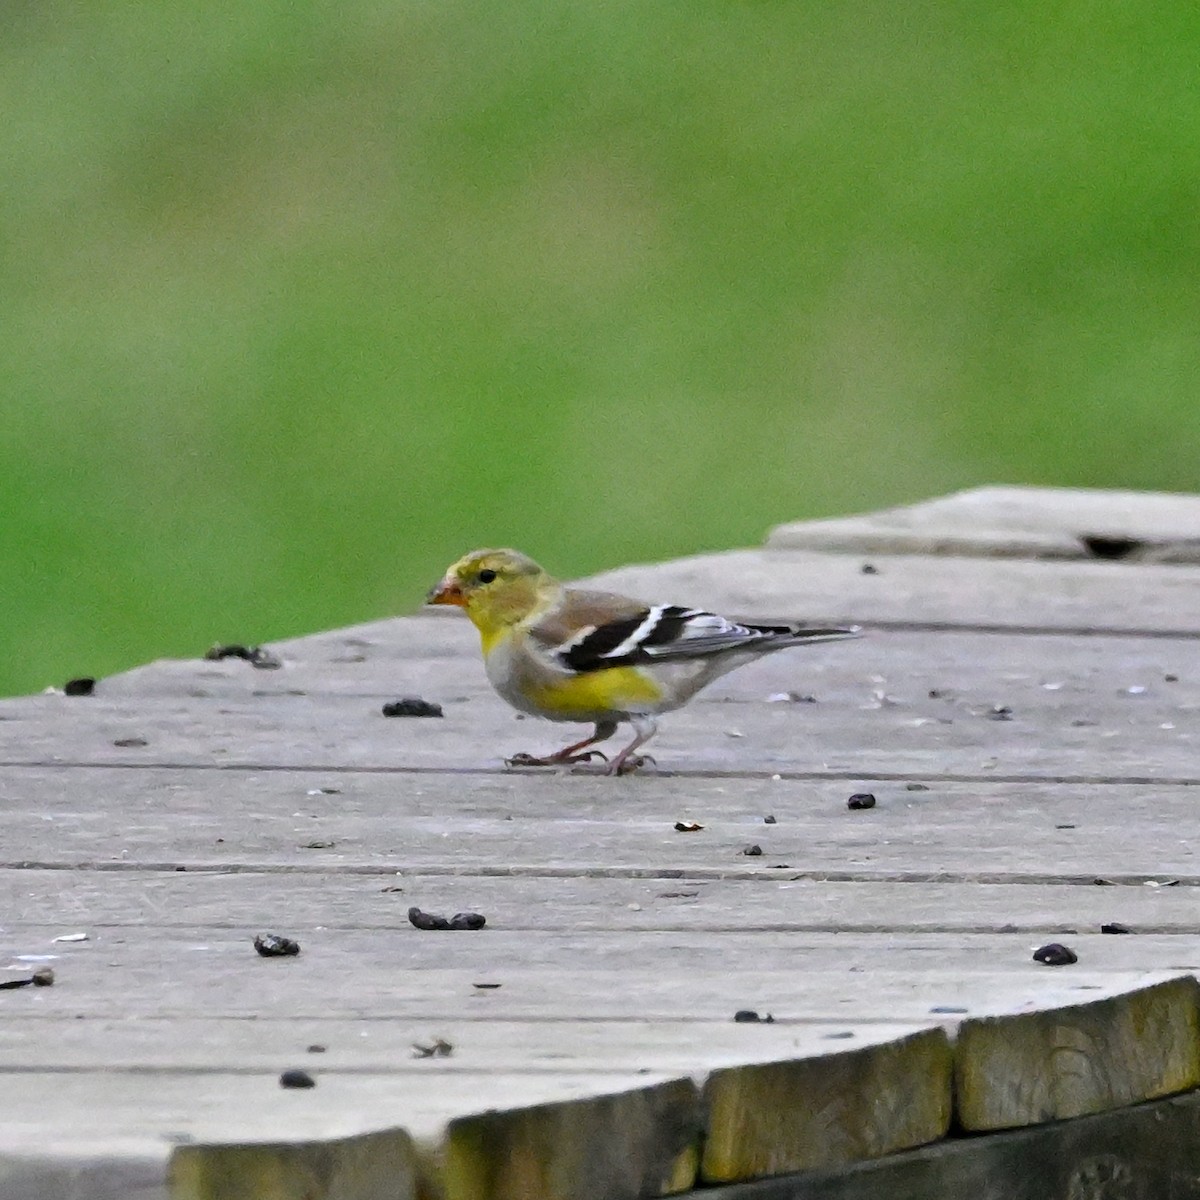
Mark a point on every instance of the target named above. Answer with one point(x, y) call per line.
point(627, 762)
point(568, 754)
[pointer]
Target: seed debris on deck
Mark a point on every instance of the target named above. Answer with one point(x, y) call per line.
point(732, 971)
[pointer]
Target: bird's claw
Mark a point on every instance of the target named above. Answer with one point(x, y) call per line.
point(524, 759)
point(587, 756)
point(627, 766)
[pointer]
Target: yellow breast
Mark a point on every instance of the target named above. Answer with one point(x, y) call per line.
point(585, 697)
point(613, 690)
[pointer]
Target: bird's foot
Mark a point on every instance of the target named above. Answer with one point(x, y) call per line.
point(627, 766)
point(522, 759)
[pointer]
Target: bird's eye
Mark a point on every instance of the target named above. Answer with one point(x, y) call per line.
point(486, 576)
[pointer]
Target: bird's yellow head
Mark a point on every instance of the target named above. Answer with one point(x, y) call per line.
point(495, 587)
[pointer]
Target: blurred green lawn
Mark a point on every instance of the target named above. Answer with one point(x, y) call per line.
point(301, 301)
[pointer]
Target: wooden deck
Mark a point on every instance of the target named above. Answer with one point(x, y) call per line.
point(1024, 712)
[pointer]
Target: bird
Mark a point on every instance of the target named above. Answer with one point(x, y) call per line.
point(568, 654)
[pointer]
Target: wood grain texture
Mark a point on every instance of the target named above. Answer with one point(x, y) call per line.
point(772, 1118)
point(353, 1168)
point(1027, 1067)
point(616, 1147)
point(1148, 1152)
point(119, 820)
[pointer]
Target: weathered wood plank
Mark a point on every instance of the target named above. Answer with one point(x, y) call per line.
point(441, 654)
point(1024, 522)
point(638, 1131)
point(788, 1100)
point(1023, 1068)
point(834, 991)
point(642, 1143)
point(441, 657)
point(104, 901)
point(386, 1045)
point(917, 589)
point(53, 1172)
point(1151, 1152)
point(369, 1166)
point(578, 825)
point(356, 973)
point(772, 1118)
point(875, 715)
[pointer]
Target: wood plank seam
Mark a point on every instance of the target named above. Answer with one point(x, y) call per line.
point(501, 772)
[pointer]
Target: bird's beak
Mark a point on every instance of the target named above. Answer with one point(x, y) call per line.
point(447, 592)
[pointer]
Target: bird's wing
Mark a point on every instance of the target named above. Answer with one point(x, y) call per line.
point(591, 631)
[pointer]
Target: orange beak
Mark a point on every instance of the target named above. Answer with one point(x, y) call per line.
point(447, 592)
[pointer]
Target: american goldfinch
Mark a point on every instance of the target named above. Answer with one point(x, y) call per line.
point(572, 655)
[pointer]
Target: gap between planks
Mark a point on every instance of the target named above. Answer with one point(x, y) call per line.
point(987, 777)
point(865, 928)
point(674, 874)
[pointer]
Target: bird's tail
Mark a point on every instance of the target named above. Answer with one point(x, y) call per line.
point(798, 635)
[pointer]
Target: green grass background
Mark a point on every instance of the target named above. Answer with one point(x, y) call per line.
point(302, 300)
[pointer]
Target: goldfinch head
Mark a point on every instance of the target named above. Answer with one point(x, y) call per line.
point(496, 587)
